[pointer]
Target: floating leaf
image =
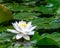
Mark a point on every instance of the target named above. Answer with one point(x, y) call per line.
point(6, 37)
point(4, 28)
point(50, 39)
point(25, 16)
point(5, 14)
point(1, 1)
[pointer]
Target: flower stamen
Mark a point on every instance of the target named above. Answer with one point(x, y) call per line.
point(20, 33)
point(22, 24)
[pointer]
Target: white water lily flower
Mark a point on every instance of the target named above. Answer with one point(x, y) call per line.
point(22, 29)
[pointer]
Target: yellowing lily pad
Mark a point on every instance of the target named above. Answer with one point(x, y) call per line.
point(5, 14)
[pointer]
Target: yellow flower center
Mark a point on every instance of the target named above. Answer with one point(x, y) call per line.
point(22, 25)
point(20, 33)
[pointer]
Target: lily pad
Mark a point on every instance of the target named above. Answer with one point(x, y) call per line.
point(5, 14)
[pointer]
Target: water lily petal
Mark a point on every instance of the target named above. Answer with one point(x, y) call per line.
point(29, 25)
point(18, 36)
point(21, 22)
point(26, 37)
point(31, 33)
point(13, 31)
point(32, 28)
point(16, 27)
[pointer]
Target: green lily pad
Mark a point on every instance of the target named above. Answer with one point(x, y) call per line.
point(5, 14)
